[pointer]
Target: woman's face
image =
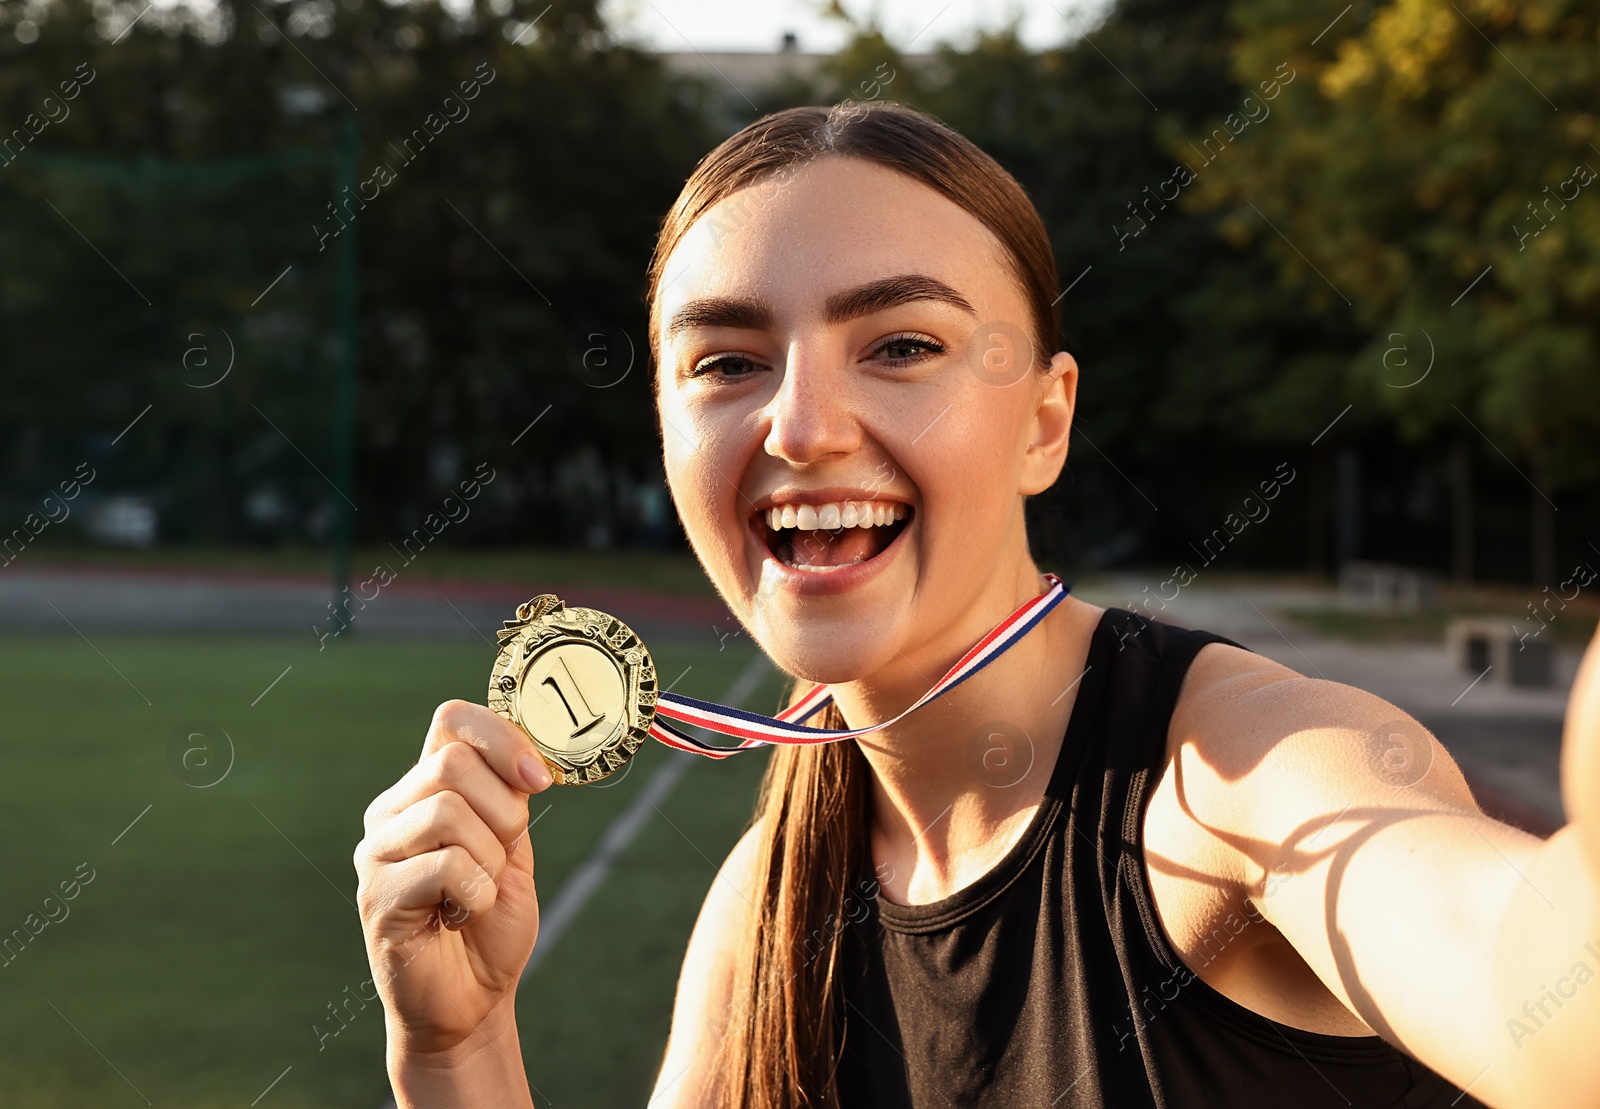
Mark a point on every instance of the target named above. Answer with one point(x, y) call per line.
point(849, 417)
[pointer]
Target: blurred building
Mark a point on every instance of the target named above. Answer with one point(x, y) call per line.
point(752, 77)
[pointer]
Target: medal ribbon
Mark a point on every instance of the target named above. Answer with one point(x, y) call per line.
point(755, 730)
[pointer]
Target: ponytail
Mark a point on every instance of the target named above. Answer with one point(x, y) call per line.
point(785, 1023)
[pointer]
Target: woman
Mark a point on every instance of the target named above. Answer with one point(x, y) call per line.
point(1126, 864)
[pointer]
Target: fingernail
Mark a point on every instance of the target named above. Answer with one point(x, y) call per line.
point(534, 772)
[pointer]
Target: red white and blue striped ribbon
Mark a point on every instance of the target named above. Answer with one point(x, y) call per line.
point(755, 730)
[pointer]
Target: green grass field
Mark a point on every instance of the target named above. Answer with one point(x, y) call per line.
point(201, 958)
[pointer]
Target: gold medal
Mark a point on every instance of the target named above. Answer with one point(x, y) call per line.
point(579, 682)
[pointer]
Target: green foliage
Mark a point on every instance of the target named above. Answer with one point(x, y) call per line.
point(1420, 150)
point(509, 196)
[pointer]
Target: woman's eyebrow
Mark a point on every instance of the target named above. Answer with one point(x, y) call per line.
point(747, 315)
point(887, 292)
point(863, 300)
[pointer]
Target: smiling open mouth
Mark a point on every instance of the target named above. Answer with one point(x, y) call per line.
point(828, 536)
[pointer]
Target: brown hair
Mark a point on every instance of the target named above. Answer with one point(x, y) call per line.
point(785, 1025)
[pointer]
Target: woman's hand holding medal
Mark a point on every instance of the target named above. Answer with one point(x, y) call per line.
point(448, 906)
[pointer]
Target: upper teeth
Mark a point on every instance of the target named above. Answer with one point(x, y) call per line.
point(834, 515)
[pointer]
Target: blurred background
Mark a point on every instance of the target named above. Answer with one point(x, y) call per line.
point(322, 345)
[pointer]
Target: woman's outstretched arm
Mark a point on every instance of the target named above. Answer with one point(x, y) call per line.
point(1470, 944)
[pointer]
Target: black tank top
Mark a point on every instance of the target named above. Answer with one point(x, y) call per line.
point(1050, 982)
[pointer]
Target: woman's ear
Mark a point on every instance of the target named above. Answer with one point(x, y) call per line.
point(1051, 427)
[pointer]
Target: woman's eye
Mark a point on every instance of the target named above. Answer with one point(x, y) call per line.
point(726, 366)
point(901, 350)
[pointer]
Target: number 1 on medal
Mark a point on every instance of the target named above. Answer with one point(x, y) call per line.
point(553, 680)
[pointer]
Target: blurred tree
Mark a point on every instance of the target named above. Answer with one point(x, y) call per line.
point(1432, 160)
point(514, 163)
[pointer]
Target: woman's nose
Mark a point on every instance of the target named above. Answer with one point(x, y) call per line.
point(810, 418)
